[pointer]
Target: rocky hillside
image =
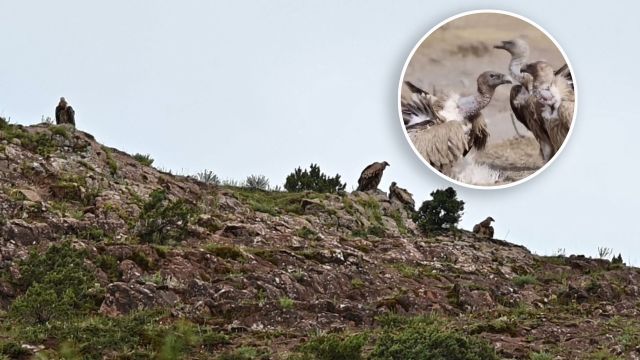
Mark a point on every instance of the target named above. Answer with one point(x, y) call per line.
point(103, 256)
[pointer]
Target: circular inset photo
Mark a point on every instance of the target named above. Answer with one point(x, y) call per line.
point(487, 99)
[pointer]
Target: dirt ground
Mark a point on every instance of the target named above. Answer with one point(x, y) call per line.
point(451, 59)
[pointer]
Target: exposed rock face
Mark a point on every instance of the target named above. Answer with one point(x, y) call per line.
point(338, 261)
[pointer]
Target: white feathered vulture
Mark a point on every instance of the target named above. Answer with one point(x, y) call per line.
point(455, 123)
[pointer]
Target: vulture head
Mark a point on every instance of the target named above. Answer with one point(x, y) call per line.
point(489, 219)
point(393, 184)
point(489, 80)
point(542, 72)
point(385, 164)
point(517, 47)
point(63, 101)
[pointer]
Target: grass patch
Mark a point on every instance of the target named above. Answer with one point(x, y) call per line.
point(286, 303)
point(225, 251)
point(274, 202)
point(523, 280)
point(144, 159)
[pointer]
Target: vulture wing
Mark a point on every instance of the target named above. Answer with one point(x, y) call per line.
point(559, 126)
point(536, 124)
point(418, 109)
point(60, 114)
point(564, 72)
point(479, 134)
point(416, 90)
point(490, 232)
point(404, 196)
point(442, 144)
point(476, 228)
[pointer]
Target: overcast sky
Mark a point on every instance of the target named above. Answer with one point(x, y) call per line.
point(261, 87)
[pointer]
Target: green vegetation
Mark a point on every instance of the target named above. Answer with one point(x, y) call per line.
point(144, 159)
point(58, 285)
point(257, 182)
point(225, 251)
point(208, 177)
point(441, 213)
point(40, 142)
point(286, 303)
point(333, 347)
point(306, 233)
point(163, 220)
point(313, 180)
point(111, 162)
point(274, 202)
point(523, 280)
point(541, 356)
point(426, 338)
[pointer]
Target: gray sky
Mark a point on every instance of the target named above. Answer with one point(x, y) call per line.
point(262, 87)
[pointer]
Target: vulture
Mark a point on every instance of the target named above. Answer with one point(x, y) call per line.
point(484, 229)
point(371, 176)
point(65, 113)
point(401, 195)
point(455, 123)
point(521, 91)
point(552, 101)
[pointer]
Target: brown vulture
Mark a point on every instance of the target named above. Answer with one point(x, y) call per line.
point(401, 195)
point(65, 113)
point(552, 101)
point(484, 229)
point(520, 92)
point(455, 123)
point(371, 176)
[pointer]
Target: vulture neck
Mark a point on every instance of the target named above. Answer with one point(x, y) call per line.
point(515, 66)
point(472, 105)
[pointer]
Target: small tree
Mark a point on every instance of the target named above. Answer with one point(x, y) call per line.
point(617, 259)
point(442, 212)
point(257, 182)
point(313, 180)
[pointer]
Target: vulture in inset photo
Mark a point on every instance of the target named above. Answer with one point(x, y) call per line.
point(401, 195)
point(456, 124)
point(484, 229)
point(552, 101)
point(522, 90)
point(65, 113)
point(371, 176)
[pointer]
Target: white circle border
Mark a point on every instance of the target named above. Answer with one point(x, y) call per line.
point(486, 187)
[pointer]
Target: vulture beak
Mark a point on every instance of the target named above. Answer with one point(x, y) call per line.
point(500, 46)
point(507, 80)
point(525, 69)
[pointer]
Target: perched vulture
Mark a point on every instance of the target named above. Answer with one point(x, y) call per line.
point(371, 176)
point(552, 101)
point(521, 91)
point(455, 123)
point(65, 113)
point(484, 229)
point(397, 193)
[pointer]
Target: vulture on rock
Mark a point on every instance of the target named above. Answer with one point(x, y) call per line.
point(484, 229)
point(455, 123)
point(65, 113)
point(522, 90)
point(552, 101)
point(401, 195)
point(371, 176)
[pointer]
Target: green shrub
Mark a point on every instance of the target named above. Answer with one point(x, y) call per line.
point(286, 303)
point(334, 347)
point(208, 177)
point(306, 233)
point(540, 356)
point(257, 182)
point(145, 159)
point(243, 353)
point(13, 350)
point(163, 220)
point(58, 285)
point(225, 251)
point(419, 341)
point(442, 212)
point(522, 280)
point(313, 180)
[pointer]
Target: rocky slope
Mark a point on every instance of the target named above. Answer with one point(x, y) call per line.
point(268, 270)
